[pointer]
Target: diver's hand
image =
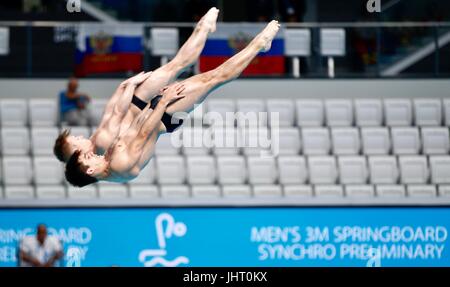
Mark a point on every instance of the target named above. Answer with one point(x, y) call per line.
point(173, 93)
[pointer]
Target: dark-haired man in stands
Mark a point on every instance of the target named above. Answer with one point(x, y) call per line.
point(40, 250)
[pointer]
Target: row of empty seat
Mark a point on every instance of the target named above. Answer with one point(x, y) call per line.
point(211, 192)
point(302, 112)
point(284, 141)
point(254, 170)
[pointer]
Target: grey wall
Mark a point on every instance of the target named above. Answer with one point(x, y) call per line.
point(262, 88)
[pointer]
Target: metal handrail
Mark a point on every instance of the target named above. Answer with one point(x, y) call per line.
point(188, 24)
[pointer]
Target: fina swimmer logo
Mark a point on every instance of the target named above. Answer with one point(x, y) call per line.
point(73, 6)
point(374, 255)
point(157, 256)
point(74, 255)
point(373, 6)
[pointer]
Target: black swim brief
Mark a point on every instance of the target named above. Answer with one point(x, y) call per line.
point(169, 122)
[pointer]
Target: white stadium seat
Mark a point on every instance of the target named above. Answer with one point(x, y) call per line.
point(17, 170)
point(383, 169)
point(329, 190)
point(51, 192)
point(339, 112)
point(444, 190)
point(251, 113)
point(147, 174)
point(375, 141)
point(413, 169)
point(255, 141)
point(446, 103)
point(236, 191)
point(112, 190)
point(143, 191)
point(48, 170)
point(359, 190)
point(353, 169)
point(368, 112)
point(15, 141)
point(428, 112)
point(440, 169)
point(310, 113)
point(298, 190)
point(225, 141)
point(196, 141)
point(43, 112)
point(435, 140)
point(267, 191)
point(218, 111)
point(346, 141)
point(421, 190)
point(285, 111)
point(292, 169)
point(322, 169)
point(85, 193)
point(289, 143)
point(97, 107)
point(170, 170)
point(201, 169)
point(316, 141)
point(231, 170)
point(398, 112)
point(391, 190)
point(175, 191)
point(262, 170)
point(42, 140)
point(169, 143)
point(405, 140)
point(19, 192)
point(13, 112)
point(206, 191)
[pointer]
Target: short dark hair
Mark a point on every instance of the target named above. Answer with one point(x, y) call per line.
point(60, 146)
point(74, 174)
point(41, 225)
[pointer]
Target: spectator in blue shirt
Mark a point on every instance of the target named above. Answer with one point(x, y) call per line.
point(73, 105)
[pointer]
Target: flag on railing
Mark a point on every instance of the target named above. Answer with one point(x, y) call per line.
point(107, 48)
point(229, 39)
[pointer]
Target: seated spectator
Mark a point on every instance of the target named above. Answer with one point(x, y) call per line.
point(73, 105)
point(292, 10)
point(40, 250)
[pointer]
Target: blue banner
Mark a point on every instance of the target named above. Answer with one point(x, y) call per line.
point(328, 236)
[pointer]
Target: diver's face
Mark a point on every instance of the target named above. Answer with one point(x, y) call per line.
point(79, 143)
point(92, 164)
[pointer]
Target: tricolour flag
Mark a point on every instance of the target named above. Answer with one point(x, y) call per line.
point(109, 48)
point(229, 39)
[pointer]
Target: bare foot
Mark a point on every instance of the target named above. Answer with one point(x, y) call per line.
point(209, 19)
point(268, 34)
